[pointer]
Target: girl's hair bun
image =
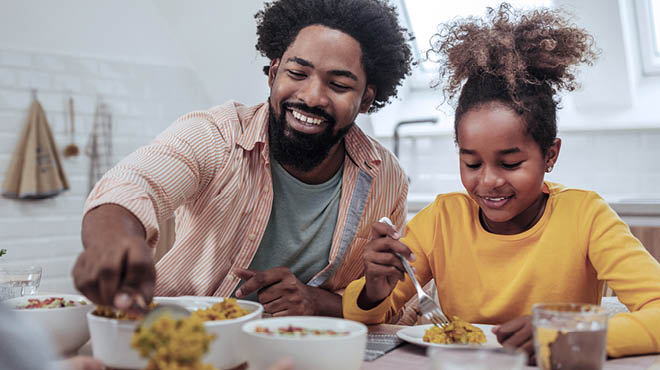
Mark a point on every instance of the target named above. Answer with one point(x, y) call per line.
point(521, 48)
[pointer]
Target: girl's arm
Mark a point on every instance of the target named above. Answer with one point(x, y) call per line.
point(621, 260)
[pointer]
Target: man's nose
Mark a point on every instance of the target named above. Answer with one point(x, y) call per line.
point(314, 93)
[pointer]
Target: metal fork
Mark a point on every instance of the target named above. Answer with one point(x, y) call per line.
point(427, 306)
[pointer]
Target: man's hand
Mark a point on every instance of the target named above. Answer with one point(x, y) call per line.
point(282, 294)
point(383, 268)
point(518, 334)
point(116, 268)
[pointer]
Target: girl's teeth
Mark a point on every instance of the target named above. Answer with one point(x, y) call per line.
point(303, 118)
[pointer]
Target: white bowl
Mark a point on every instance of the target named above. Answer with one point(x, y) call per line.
point(308, 352)
point(66, 326)
point(111, 338)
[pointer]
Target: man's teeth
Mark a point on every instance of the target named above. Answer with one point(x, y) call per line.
point(495, 199)
point(301, 117)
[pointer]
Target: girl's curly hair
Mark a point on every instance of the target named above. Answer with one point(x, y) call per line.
point(519, 58)
point(386, 54)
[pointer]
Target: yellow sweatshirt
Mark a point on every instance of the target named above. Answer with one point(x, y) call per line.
point(482, 277)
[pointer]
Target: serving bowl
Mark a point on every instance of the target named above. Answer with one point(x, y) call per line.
point(66, 326)
point(111, 338)
point(343, 350)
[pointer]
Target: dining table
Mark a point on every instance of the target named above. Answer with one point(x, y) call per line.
point(407, 355)
point(412, 356)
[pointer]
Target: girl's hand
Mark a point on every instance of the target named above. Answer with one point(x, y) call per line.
point(383, 268)
point(518, 334)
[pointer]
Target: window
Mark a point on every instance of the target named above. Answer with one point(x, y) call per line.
point(648, 19)
point(424, 16)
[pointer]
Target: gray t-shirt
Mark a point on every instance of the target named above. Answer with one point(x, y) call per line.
point(301, 224)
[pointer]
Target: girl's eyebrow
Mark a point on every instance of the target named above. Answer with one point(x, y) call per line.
point(501, 152)
point(510, 151)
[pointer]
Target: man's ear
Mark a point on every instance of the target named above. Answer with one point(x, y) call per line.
point(272, 71)
point(367, 98)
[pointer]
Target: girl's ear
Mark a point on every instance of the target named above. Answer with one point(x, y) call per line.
point(272, 71)
point(552, 154)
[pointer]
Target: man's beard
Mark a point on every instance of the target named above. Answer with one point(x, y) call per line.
point(296, 149)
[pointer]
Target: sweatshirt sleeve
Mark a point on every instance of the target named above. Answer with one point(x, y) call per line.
point(418, 229)
point(621, 260)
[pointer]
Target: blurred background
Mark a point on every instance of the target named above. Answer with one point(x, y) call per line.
point(149, 61)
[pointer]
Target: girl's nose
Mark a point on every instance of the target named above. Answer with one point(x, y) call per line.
point(491, 177)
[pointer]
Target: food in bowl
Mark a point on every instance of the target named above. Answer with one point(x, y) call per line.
point(297, 331)
point(318, 352)
point(173, 343)
point(111, 313)
point(111, 338)
point(225, 310)
point(51, 302)
point(458, 331)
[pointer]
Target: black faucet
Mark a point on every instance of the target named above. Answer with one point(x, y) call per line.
point(409, 122)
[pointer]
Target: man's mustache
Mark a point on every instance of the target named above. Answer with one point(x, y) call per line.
point(312, 110)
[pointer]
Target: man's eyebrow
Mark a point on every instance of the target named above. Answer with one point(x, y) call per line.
point(466, 151)
point(336, 72)
point(300, 61)
point(348, 74)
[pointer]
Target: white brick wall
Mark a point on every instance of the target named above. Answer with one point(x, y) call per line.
point(622, 163)
point(144, 100)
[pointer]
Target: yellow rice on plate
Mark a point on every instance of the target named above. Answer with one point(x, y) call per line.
point(458, 331)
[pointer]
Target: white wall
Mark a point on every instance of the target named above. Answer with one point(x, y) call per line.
point(610, 127)
point(85, 50)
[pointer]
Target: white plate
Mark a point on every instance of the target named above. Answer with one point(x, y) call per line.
point(415, 335)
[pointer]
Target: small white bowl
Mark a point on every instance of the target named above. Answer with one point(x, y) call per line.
point(66, 326)
point(309, 352)
point(111, 338)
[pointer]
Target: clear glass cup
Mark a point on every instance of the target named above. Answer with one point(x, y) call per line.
point(570, 336)
point(17, 281)
point(475, 358)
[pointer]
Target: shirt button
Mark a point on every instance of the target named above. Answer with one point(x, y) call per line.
point(251, 237)
point(265, 189)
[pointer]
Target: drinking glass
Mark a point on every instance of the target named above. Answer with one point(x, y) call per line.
point(18, 281)
point(570, 336)
point(457, 357)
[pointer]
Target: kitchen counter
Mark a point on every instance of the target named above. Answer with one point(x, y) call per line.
point(634, 211)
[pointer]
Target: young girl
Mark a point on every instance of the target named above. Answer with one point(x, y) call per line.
point(512, 239)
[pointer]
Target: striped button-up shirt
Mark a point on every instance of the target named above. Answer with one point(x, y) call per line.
point(211, 170)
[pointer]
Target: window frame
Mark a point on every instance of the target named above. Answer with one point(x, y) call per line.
point(645, 22)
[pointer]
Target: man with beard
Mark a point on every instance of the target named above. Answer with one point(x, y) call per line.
point(280, 196)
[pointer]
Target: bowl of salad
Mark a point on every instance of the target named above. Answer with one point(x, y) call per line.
point(320, 343)
point(62, 317)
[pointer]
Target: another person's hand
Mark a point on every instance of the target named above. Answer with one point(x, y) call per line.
point(279, 291)
point(81, 363)
point(518, 334)
point(282, 364)
point(383, 268)
point(116, 268)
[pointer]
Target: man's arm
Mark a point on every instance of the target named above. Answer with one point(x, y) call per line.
point(116, 266)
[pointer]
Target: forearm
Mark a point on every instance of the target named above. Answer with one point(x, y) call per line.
point(326, 303)
point(110, 222)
